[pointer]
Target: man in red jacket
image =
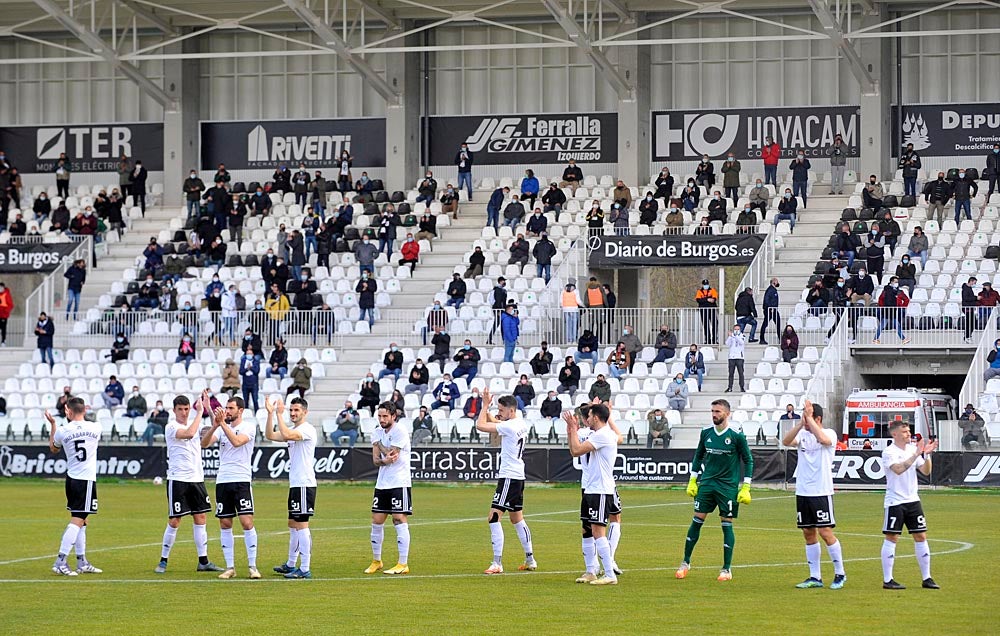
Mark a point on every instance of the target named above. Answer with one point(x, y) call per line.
point(771, 152)
point(6, 307)
point(411, 252)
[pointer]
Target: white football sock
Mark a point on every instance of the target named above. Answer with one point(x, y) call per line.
point(250, 539)
point(305, 549)
point(68, 540)
point(614, 536)
point(378, 533)
point(226, 540)
point(525, 536)
point(923, 551)
point(837, 556)
point(604, 552)
point(403, 541)
point(81, 545)
point(201, 540)
point(888, 557)
point(496, 537)
point(293, 547)
point(813, 555)
point(590, 555)
point(169, 535)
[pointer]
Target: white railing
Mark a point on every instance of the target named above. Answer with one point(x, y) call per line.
point(826, 386)
point(758, 274)
point(52, 288)
point(974, 384)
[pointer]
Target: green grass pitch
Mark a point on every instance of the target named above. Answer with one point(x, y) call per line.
point(446, 592)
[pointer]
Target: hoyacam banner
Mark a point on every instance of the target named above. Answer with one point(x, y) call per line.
point(948, 130)
point(690, 134)
point(21, 258)
point(317, 143)
point(525, 139)
point(607, 251)
point(89, 147)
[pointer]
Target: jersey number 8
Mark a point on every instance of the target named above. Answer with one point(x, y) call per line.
point(177, 506)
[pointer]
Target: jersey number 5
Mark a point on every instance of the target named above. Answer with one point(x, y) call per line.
point(80, 450)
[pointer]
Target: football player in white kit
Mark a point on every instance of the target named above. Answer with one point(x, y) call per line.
point(79, 439)
point(301, 438)
point(233, 492)
point(391, 453)
point(509, 495)
point(901, 461)
point(186, 493)
point(816, 447)
point(600, 450)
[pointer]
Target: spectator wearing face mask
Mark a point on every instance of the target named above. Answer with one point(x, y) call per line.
point(890, 230)
point(543, 251)
point(301, 376)
point(674, 219)
point(909, 163)
point(569, 377)
point(366, 289)
point(513, 214)
point(690, 196)
point(529, 188)
point(553, 200)
point(875, 251)
point(787, 209)
point(418, 378)
point(873, 194)
point(427, 228)
point(572, 176)
point(648, 209)
point(319, 194)
point(260, 203)
point(477, 263)
point(537, 223)
point(348, 422)
point(463, 161)
point(42, 207)
point(789, 344)
point(366, 253)
point(119, 348)
point(658, 428)
point(410, 252)
point(442, 347)
point(800, 176)
point(731, 178)
point(186, 351)
point(707, 300)
point(468, 358)
point(231, 378)
point(541, 362)
point(449, 201)
point(677, 393)
point(737, 354)
point(988, 299)
point(694, 364)
point(717, 208)
point(519, 252)
point(595, 219)
point(632, 343)
point(363, 189)
point(619, 219)
point(906, 272)
point(664, 184)
point(937, 193)
point(193, 187)
point(427, 189)
point(370, 394)
point(892, 305)
point(992, 170)
point(446, 394)
point(148, 296)
point(155, 423)
point(964, 189)
point(704, 173)
point(392, 362)
point(249, 367)
point(861, 287)
point(494, 206)
point(746, 222)
point(760, 198)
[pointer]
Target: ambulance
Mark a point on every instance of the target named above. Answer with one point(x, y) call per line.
point(868, 414)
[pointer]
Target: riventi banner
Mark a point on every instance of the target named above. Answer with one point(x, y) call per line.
point(689, 134)
point(20, 258)
point(89, 147)
point(672, 251)
point(525, 139)
point(244, 145)
point(947, 130)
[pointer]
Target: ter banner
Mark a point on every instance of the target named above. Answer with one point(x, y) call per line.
point(89, 147)
point(607, 251)
point(948, 130)
point(22, 258)
point(244, 145)
point(525, 139)
point(689, 134)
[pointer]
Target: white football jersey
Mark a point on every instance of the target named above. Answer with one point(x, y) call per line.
point(814, 473)
point(900, 488)
point(183, 455)
point(600, 474)
point(396, 474)
point(79, 440)
point(583, 434)
point(235, 462)
point(302, 457)
point(513, 436)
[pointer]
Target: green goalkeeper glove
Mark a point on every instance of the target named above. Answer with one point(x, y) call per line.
point(692, 489)
point(743, 496)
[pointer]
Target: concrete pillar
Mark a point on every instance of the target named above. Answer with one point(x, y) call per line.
point(633, 114)
point(402, 120)
point(876, 133)
point(180, 126)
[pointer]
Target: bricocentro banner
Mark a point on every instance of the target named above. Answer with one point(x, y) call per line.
point(607, 251)
point(26, 258)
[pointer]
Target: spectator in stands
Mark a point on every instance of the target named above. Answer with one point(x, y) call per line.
point(664, 184)
point(790, 414)
point(909, 163)
point(252, 342)
point(418, 378)
point(442, 346)
point(972, 427)
point(155, 423)
point(61, 402)
point(787, 209)
point(892, 305)
point(674, 219)
point(993, 358)
point(154, 256)
point(113, 394)
point(84, 223)
point(510, 330)
point(818, 298)
point(873, 194)
point(473, 405)
point(494, 205)
point(633, 344)
point(694, 364)
point(846, 245)
point(186, 350)
point(619, 219)
point(436, 317)
point(906, 272)
point(60, 218)
point(771, 153)
point(571, 302)
point(543, 252)
point(193, 187)
point(427, 189)
point(449, 201)
point(498, 304)
point(456, 291)
point(310, 225)
point(119, 348)
point(222, 176)
point(838, 163)
point(463, 161)
point(704, 173)
point(319, 194)
point(300, 185)
point(216, 254)
point(529, 187)
point(704, 228)
point(707, 299)
point(277, 307)
point(677, 393)
point(569, 378)
point(468, 358)
point(551, 406)
point(890, 230)
point(622, 195)
point(600, 389)
point(861, 287)
point(42, 207)
point(136, 405)
point(345, 162)
point(731, 178)
point(513, 214)
point(282, 241)
point(220, 203)
point(519, 252)
point(424, 429)
point(648, 209)
point(800, 176)
point(231, 377)
point(746, 313)
point(541, 362)
point(992, 170)
point(76, 276)
point(524, 393)
point(348, 421)
point(250, 372)
point(835, 271)
point(690, 196)
point(446, 393)
point(45, 332)
point(392, 362)
point(789, 344)
point(296, 248)
point(427, 226)
point(236, 216)
point(554, 199)
point(572, 177)
point(410, 252)
point(260, 202)
point(214, 305)
point(937, 193)
point(595, 219)
point(301, 376)
point(587, 347)
point(6, 308)
point(619, 361)
point(964, 189)
point(18, 227)
point(370, 394)
point(969, 303)
point(398, 400)
point(537, 223)
point(658, 428)
point(988, 299)
point(210, 289)
point(343, 216)
point(746, 222)
point(366, 253)
point(874, 243)
point(737, 353)
point(366, 289)
point(277, 363)
point(665, 344)
point(477, 263)
point(62, 170)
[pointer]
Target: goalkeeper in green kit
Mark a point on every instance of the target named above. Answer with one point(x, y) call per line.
point(721, 451)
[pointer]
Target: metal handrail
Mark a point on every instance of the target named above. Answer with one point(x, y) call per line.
point(974, 384)
point(43, 298)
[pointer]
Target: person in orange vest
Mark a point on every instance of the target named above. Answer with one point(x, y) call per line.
point(594, 297)
point(571, 303)
point(708, 305)
point(6, 307)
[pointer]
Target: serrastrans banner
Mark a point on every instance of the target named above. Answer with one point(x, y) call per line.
point(525, 139)
point(948, 130)
point(89, 147)
point(473, 463)
point(21, 258)
point(607, 251)
point(247, 145)
point(683, 135)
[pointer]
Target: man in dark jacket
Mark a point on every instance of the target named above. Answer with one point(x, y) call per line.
point(260, 202)
point(969, 303)
point(427, 189)
point(554, 199)
point(456, 291)
point(860, 288)
point(665, 344)
point(937, 193)
point(138, 187)
point(463, 160)
point(300, 185)
point(543, 252)
point(909, 163)
point(519, 252)
point(366, 289)
point(220, 202)
point(600, 389)
point(569, 377)
point(193, 187)
point(45, 333)
point(964, 189)
point(541, 363)
point(494, 205)
point(537, 223)
point(890, 230)
point(392, 362)
point(572, 177)
point(76, 276)
point(587, 347)
point(418, 378)
point(499, 303)
point(818, 298)
point(992, 170)
point(746, 313)
point(442, 347)
point(282, 179)
point(468, 358)
point(846, 245)
point(771, 311)
point(800, 176)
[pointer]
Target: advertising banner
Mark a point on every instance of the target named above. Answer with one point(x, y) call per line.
point(978, 469)
point(633, 465)
point(245, 145)
point(680, 135)
point(947, 130)
point(21, 258)
point(89, 147)
point(605, 251)
point(138, 462)
point(525, 139)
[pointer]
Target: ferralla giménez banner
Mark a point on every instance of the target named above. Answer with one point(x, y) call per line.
point(948, 130)
point(607, 251)
point(26, 258)
point(680, 135)
point(89, 147)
